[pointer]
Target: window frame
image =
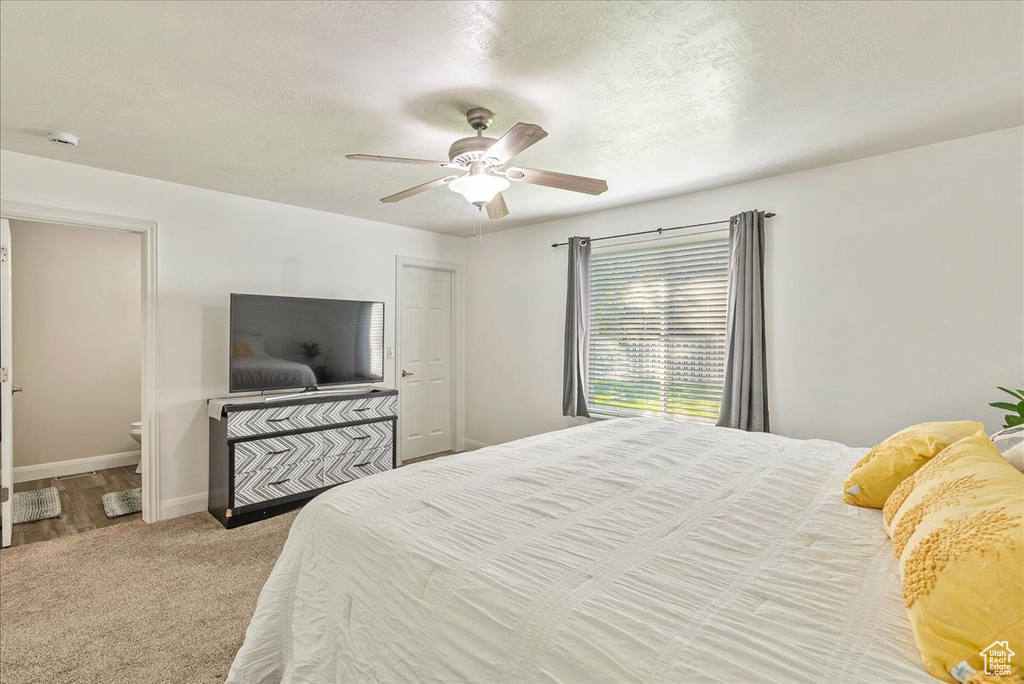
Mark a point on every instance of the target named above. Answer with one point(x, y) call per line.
point(604, 412)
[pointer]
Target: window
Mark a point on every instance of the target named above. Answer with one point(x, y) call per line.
point(658, 329)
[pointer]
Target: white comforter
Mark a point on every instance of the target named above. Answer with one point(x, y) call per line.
point(632, 550)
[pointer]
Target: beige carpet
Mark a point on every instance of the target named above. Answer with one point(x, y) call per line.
point(139, 603)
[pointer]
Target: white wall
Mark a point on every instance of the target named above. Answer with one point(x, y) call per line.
point(77, 309)
point(895, 289)
point(894, 294)
point(211, 244)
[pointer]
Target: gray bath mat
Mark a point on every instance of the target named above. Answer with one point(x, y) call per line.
point(37, 504)
point(122, 503)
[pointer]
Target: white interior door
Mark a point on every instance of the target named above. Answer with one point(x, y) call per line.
point(6, 380)
point(425, 362)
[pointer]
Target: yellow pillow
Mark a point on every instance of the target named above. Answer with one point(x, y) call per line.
point(957, 527)
point(240, 349)
point(875, 476)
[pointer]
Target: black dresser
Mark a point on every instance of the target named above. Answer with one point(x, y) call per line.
point(269, 457)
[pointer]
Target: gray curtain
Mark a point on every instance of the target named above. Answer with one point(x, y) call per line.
point(577, 330)
point(745, 397)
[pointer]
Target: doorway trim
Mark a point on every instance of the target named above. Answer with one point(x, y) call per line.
point(458, 342)
point(150, 414)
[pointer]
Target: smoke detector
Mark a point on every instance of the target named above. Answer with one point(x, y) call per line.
point(62, 139)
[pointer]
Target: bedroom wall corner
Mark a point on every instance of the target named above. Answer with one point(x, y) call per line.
point(210, 244)
point(895, 294)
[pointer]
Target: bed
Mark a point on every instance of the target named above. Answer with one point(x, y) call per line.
point(260, 372)
point(632, 550)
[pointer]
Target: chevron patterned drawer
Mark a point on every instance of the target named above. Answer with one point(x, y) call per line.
point(348, 467)
point(338, 441)
point(273, 483)
point(301, 416)
point(272, 452)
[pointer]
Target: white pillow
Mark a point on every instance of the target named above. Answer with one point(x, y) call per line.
point(1011, 442)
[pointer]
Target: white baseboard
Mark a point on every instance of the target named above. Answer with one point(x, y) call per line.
point(173, 508)
point(78, 465)
point(471, 444)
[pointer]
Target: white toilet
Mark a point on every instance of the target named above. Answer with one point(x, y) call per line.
point(136, 432)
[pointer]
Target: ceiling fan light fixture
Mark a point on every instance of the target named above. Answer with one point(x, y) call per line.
point(485, 163)
point(480, 188)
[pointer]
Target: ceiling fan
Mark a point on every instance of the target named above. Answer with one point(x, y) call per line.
point(480, 170)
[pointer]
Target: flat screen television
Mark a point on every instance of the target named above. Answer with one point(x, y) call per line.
point(300, 342)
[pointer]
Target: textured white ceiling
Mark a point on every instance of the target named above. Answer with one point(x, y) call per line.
point(265, 98)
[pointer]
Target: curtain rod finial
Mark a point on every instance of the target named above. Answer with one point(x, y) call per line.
point(769, 214)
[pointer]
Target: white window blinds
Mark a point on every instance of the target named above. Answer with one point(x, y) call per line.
point(658, 329)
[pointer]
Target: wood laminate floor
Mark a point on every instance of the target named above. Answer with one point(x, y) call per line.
point(81, 505)
point(82, 508)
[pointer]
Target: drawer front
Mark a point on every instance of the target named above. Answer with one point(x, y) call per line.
point(260, 454)
point(339, 441)
point(272, 483)
point(352, 466)
point(282, 418)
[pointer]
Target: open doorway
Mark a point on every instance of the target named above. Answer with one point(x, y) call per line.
point(74, 358)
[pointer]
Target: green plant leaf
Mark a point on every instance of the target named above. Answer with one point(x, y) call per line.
point(1005, 405)
point(1013, 421)
point(1016, 394)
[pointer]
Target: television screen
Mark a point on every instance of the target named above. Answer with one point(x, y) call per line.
point(298, 342)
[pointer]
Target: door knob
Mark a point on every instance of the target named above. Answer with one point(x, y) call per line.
point(15, 390)
point(406, 374)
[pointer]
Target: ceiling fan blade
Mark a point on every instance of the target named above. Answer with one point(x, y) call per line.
point(419, 188)
point(562, 181)
point(397, 160)
point(517, 139)
point(497, 208)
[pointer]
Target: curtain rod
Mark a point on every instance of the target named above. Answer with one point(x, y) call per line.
point(767, 214)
